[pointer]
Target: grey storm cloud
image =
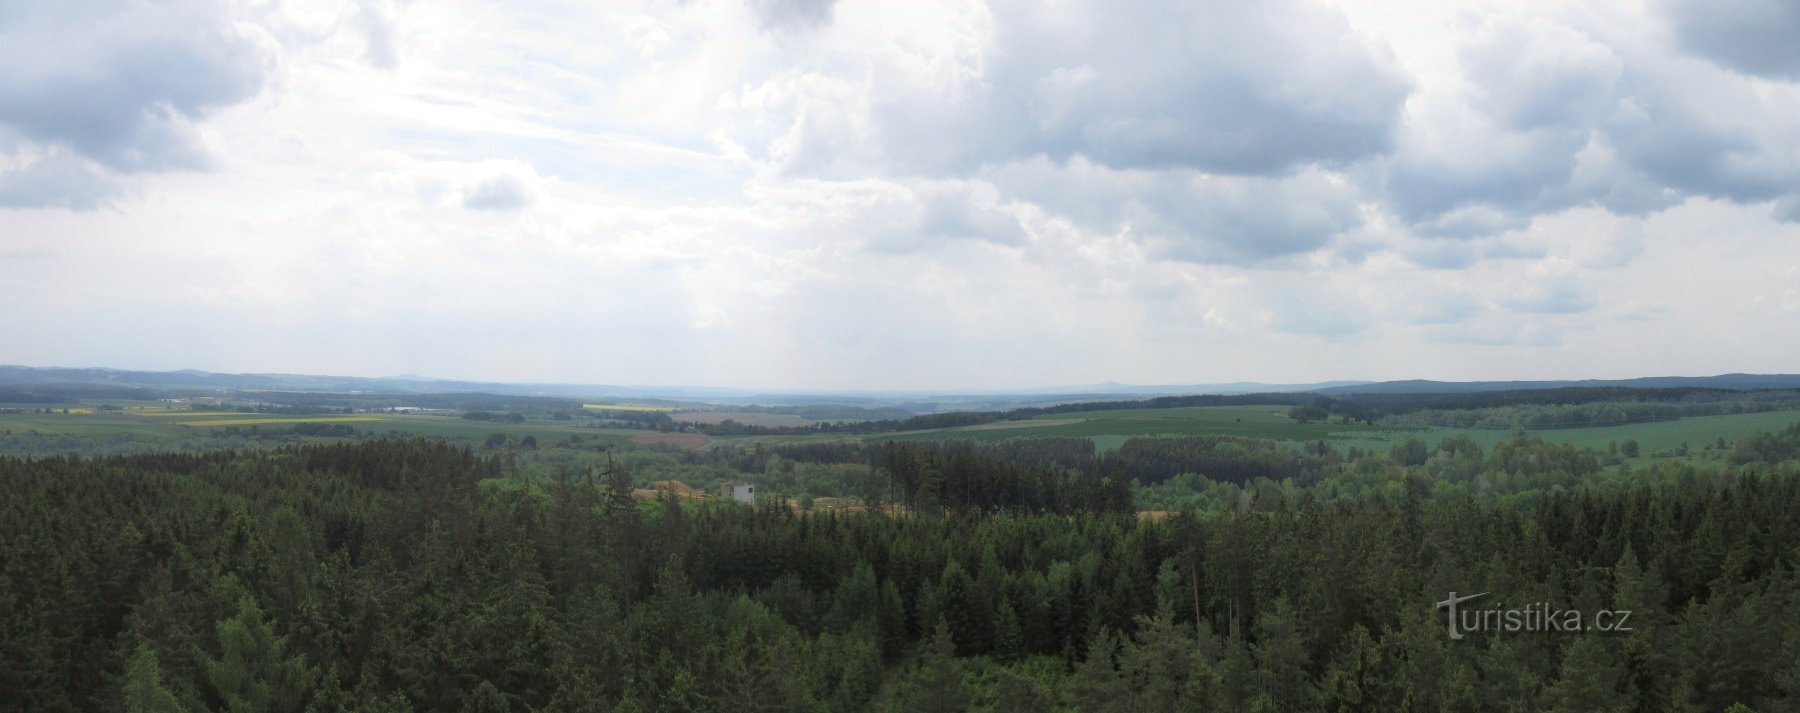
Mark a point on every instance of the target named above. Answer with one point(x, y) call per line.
point(1757, 37)
point(122, 85)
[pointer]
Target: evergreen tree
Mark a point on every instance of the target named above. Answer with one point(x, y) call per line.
point(253, 671)
point(1592, 681)
point(938, 687)
point(144, 691)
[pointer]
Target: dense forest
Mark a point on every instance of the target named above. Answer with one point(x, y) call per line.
point(417, 575)
point(1601, 413)
point(1569, 407)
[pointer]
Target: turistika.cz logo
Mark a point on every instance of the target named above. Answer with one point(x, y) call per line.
point(1538, 616)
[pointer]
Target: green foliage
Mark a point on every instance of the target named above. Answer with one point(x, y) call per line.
point(144, 690)
point(938, 686)
point(384, 575)
point(253, 672)
point(1411, 452)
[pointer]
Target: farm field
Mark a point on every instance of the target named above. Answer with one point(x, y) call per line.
point(259, 420)
point(457, 427)
point(1110, 429)
point(748, 418)
point(1696, 431)
point(95, 425)
point(174, 414)
point(168, 426)
point(1249, 421)
point(1652, 438)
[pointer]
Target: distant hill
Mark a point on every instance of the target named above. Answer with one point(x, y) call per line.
point(21, 381)
point(917, 400)
point(1735, 382)
point(1113, 388)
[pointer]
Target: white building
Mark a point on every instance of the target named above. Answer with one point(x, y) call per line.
point(739, 490)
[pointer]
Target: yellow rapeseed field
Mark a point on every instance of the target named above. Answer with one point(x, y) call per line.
point(627, 407)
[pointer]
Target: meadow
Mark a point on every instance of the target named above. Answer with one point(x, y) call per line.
point(748, 418)
point(1110, 429)
point(166, 425)
point(260, 420)
point(1248, 421)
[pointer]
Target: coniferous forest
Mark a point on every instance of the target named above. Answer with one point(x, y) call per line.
point(395, 575)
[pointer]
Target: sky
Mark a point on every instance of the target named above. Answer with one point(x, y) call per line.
point(903, 194)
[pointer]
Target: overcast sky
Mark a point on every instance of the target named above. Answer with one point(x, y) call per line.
point(903, 193)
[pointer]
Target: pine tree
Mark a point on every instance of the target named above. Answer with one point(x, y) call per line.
point(1018, 694)
point(144, 691)
point(1157, 666)
point(1008, 638)
point(939, 688)
point(253, 672)
point(1098, 686)
point(486, 699)
point(1591, 680)
point(1281, 659)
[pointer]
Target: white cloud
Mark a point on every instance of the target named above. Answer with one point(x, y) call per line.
point(99, 89)
point(1217, 87)
point(885, 193)
point(125, 86)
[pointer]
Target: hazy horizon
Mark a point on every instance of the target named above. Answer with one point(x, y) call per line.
point(832, 196)
point(1117, 388)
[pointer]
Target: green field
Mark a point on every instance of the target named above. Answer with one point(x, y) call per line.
point(1249, 421)
point(1696, 431)
point(456, 427)
point(1109, 429)
point(163, 426)
point(278, 421)
point(95, 425)
point(748, 418)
